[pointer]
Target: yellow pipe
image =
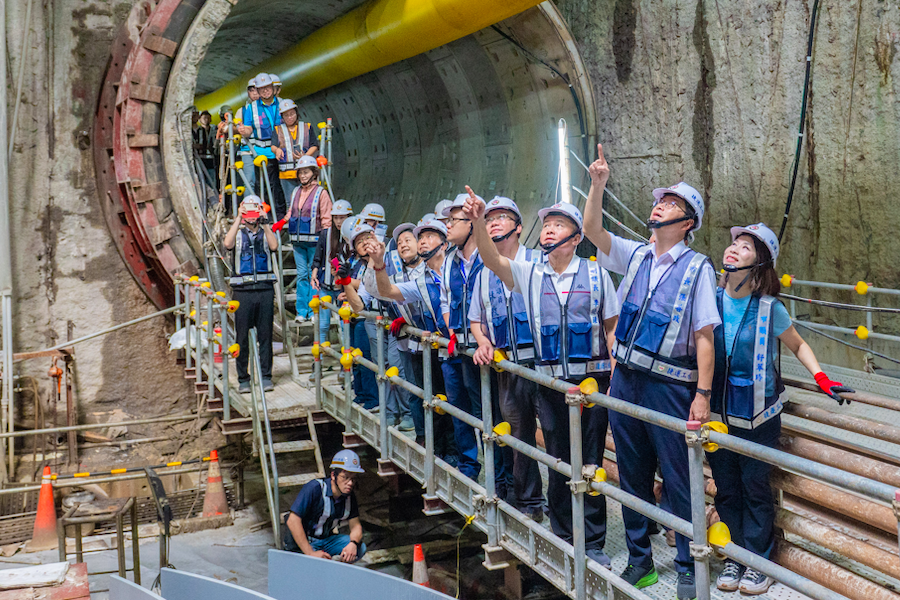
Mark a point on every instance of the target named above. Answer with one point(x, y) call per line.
point(374, 35)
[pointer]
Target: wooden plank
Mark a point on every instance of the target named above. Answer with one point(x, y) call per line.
point(149, 192)
point(146, 93)
point(61, 353)
point(143, 140)
point(163, 232)
point(160, 45)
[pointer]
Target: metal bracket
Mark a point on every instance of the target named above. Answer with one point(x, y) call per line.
point(697, 438)
point(701, 552)
point(588, 471)
point(578, 487)
point(496, 558)
point(575, 398)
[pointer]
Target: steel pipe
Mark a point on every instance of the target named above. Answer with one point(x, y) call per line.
point(848, 331)
point(868, 427)
point(79, 482)
point(861, 397)
point(842, 459)
point(170, 418)
point(490, 484)
point(576, 480)
point(844, 286)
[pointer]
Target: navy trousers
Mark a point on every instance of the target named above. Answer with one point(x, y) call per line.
point(364, 385)
point(464, 395)
point(518, 397)
point(640, 446)
point(444, 446)
point(553, 412)
point(744, 496)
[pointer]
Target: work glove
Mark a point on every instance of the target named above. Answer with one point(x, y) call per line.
point(343, 274)
point(397, 325)
point(451, 347)
point(833, 388)
point(279, 225)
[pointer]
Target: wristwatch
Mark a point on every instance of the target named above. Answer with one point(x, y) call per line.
point(703, 392)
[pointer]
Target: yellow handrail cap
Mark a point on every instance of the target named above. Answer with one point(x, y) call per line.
point(786, 280)
point(719, 427)
point(862, 332)
point(719, 535)
point(260, 160)
point(392, 372)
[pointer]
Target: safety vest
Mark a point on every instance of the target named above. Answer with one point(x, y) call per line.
point(568, 338)
point(263, 125)
point(244, 148)
point(460, 288)
point(411, 311)
point(654, 333)
point(252, 259)
point(739, 396)
point(303, 229)
point(319, 531)
point(505, 314)
point(288, 164)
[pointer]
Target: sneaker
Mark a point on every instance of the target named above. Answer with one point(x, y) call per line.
point(537, 515)
point(730, 578)
point(244, 387)
point(598, 555)
point(640, 577)
point(407, 424)
point(687, 587)
point(754, 583)
point(300, 319)
point(268, 386)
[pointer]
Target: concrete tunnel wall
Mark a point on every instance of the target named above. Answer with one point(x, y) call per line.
point(701, 91)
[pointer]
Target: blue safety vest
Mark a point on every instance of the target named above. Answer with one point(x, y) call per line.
point(252, 259)
point(505, 314)
point(654, 332)
point(740, 382)
point(264, 119)
point(412, 311)
point(460, 288)
point(305, 229)
point(328, 503)
point(568, 338)
point(429, 316)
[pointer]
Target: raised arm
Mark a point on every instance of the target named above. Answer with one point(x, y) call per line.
point(386, 289)
point(593, 209)
point(490, 256)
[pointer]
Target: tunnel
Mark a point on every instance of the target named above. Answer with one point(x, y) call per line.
point(481, 110)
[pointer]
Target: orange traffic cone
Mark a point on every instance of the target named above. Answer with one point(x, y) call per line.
point(214, 502)
point(420, 569)
point(44, 536)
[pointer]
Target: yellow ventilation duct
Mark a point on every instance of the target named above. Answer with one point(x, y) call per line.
point(371, 36)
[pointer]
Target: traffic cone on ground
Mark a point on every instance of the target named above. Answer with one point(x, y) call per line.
point(44, 536)
point(214, 502)
point(420, 569)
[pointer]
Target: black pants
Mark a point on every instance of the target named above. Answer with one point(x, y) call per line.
point(257, 309)
point(279, 204)
point(518, 398)
point(554, 415)
point(444, 444)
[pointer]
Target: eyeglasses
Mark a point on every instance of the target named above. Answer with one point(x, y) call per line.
point(347, 477)
point(498, 218)
point(668, 204)
point(454, 220)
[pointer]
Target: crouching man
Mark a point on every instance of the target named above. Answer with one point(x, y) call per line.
point(321, 507)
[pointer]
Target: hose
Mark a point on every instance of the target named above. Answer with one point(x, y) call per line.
point(842, 306)
point(840, 341)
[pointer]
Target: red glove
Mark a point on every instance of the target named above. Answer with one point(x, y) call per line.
point(451, 347)
point(833, 388)
point(279, 225)
point(396, 326)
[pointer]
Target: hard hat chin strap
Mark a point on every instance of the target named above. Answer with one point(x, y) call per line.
point(729, 269)
point(548, 248)
point(505, 236)
point(653, 224)
point(428, 255)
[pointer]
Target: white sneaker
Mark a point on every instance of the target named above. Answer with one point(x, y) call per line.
point(300, 319)
point(754, 583)
point(729, 580)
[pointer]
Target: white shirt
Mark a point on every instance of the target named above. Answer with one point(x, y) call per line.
point(705, 312)
point(468, 265)
point(562, 282)
point(476, 307)
point(410, 289)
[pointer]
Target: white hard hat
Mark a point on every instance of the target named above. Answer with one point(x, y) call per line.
point(689, 195)
point(353, 227)
point(762, 233)
point(373, 211)
point(252, 199)
point(262, 80)
point(428, 217)
point(502, 203)
point(307, 162)
point(276, 80)
point(440, 206)
point(340, 208)
point(401, 228)
point(286, 105)
point(565, 209)
point(458, 202)
point(348, 460)
point(430, 225)
point(252, 82)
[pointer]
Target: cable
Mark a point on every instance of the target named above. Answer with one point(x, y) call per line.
point(825, 335)
point(614, 220)
point(842, 306)
point(803, 107)
point(611, 195)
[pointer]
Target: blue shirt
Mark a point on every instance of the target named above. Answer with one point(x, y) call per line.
point(734, 310)
point(309, 507)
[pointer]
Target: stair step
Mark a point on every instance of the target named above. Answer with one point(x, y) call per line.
point(289, 271)
point(298, 480)
point(240, 425)
point(297, 446)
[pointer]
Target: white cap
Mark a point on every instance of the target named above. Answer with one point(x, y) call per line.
point(401, 228)
point(341, 208)
point(440, 206)
point(762, 233)
point(689, 195)
point(262, 80)
point(307, 162)
point(347, 460)
point(430, 225)
point(565, 209)
point(286, 105)
point(353, 227)
point(252, 82)
point(276, 80)
point(373, 211)
point(252, 199)
point(458, 202)
point(428, 217)
point(502, 203)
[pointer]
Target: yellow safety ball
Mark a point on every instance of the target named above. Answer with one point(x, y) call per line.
point(786, 280)
point(344, 312)
point(234, 350)
point(192, 314)
point(260, 160)
point(220, 294)
point(498, 356)
point(599, 477)
point(228, 189)
point(346, 361)
point(392, 372)
point(861, 288)
point(719, 535)
point(240, 190)
point(233, 305)
point(588, 387)
point(356, 352)
point(326, 299)
point(502, 428)
point(437, 408)
point(326, 344)
point(194, 279)
point(719, 427)
point(315, 351)
point(206, 285)
point(862, 332)
point(314, 304)
point(239, 164)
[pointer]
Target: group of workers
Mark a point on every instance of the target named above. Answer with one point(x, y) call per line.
point(668, 338)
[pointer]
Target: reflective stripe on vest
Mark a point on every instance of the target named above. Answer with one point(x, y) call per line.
point(299, 232)
point(459, 282)
point(256, 138)
point(761, 353)
point(678, 313)
point(251, 274)
point(326, 510)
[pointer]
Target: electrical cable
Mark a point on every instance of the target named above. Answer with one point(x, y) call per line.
point(839, 305)
point(614, 220)
point(840, 341)
point(606, 190)
point(803, 108)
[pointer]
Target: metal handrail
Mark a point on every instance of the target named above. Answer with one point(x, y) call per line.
point(696, 436)
point(264, 442)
